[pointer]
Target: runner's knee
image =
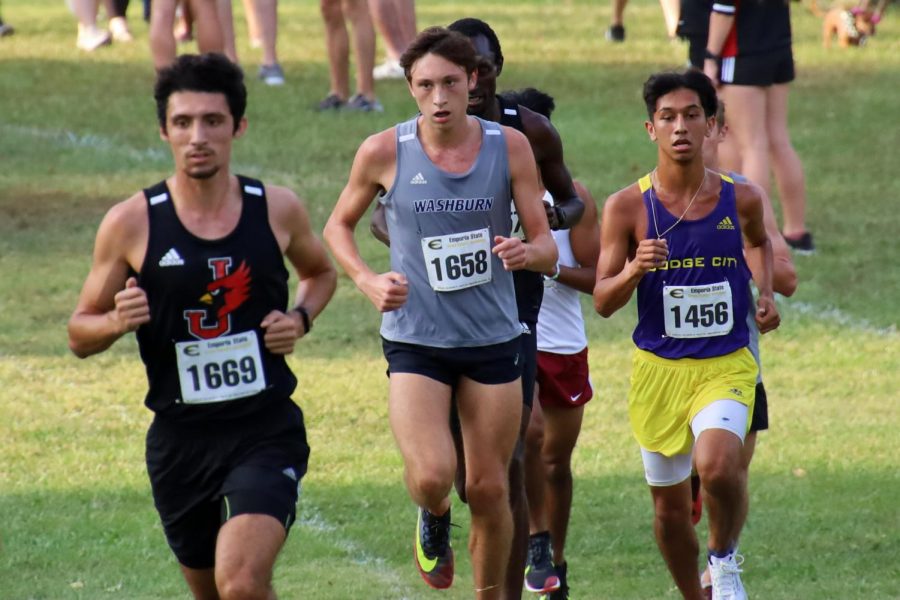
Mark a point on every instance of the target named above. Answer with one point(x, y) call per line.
point(243, 584)
point(486, 492)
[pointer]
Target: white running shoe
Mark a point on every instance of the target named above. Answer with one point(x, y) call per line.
point(118, 27)
point(91, 38)
point(389, 69)
point(726, 578)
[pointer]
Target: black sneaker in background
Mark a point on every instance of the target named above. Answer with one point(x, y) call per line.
point(540, 575)
point(616, 33)
point(803, 244)
point(331, 102)
point(360, 103)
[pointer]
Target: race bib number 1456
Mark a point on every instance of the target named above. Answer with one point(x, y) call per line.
point(698, 310)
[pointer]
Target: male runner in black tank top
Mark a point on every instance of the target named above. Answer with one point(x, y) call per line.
point(195, 265)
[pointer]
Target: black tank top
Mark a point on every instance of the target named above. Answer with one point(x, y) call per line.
point(203, 348)
point(529, 285)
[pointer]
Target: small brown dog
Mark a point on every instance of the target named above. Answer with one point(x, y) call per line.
point(851, 27)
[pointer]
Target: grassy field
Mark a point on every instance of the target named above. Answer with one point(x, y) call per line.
point(77, 133)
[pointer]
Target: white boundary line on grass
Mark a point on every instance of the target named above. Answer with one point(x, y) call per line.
point(375, 565)
point(831, 314)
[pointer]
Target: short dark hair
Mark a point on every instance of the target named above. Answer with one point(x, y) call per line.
point(209, 72)
point(470, 27)
point(531, 98)
point(447, 44)
point(660, 84)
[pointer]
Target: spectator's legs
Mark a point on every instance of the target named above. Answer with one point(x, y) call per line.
point(162, 40)
point(618, 12)
point(209, 30)
point(250, 14)
point(786, 164)
point(671, 12)
point(357, 11)
point(746, 107)
point(267, 24)
point(338, 46)
point(226, 23)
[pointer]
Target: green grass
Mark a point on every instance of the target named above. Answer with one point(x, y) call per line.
point(77, 133)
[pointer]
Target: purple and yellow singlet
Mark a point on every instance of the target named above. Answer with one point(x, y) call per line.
point(694, 305)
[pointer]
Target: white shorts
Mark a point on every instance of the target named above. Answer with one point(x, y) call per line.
point(663, 471)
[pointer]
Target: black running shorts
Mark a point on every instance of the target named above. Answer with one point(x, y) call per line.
point(491, 365)
point(761, 70)
point(760, 419)
point(204, 474)
point(529, 363)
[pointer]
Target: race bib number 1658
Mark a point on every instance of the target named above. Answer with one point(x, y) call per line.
point(458, 260)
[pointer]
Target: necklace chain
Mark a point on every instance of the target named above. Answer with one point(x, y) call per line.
point(681, 218)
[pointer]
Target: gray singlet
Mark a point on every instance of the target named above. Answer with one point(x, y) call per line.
point(442, 227)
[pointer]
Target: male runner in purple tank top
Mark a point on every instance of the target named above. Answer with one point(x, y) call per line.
point(677, 237)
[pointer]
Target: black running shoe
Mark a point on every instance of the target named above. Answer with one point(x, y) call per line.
point(434, 556)
point(616, 33)
point(803, 244)
point(540, 575)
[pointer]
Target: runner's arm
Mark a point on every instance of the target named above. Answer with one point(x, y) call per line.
point(584, 238)
point(316, 275)
point(375, 163)
point(617, 275)
point(110, 304)
point(750, 212)
point(539, 253)
point(568, 207)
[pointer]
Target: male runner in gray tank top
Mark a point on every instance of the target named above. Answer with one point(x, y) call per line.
point(447, 181)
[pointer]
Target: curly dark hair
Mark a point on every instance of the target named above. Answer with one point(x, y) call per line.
point(209, 72)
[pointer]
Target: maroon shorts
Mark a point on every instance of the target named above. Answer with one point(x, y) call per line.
point(563, 379)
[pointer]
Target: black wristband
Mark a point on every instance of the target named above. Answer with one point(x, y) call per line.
point(307, 323)
point(560, 216)
point(709, 55)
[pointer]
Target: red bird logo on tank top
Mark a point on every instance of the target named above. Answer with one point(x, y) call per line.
point(224, 295)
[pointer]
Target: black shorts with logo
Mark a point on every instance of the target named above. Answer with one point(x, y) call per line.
point(529, 363)
point(202, 474)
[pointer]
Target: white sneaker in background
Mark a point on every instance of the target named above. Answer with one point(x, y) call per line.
point(389, 69)
point(118, 27)
point(91, 38)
